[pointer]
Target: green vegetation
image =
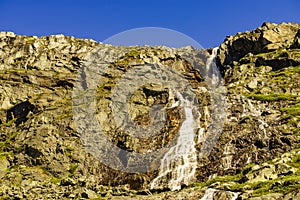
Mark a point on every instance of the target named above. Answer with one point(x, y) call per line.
point(8, 140)
point(30, 40)
point(69, 151)
point(292, 115)
point(272, 97)
point(285, 71)
point(283, 184)
point(9, 123)
point(294, 110)
point(222, 179)
point(134, 53)
point(295, 162)
point(5, 154)
point(239, 183)
point(72, 169)
point(56, 180)
point(63, 116)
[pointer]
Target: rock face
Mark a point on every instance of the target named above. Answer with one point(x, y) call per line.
point(44, 156)
point(269, 37)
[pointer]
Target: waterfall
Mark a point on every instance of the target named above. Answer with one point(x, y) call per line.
point(179, 164)
point(209, 194)
point(212, 71)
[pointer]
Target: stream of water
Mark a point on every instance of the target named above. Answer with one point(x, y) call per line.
point(178, 166)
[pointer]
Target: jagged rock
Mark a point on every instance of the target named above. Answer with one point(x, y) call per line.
point(266, 38)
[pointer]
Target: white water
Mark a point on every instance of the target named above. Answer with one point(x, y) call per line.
point(179, 164)
point(212, 71)
point(209, 194)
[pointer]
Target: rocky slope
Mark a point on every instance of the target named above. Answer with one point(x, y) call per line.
point(44, 156)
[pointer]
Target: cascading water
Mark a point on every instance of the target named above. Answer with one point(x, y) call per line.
point(180, 162)
point(178, 166)
point(210, 194)
point(212, 71)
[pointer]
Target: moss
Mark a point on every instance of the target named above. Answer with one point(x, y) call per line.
point(9, 123)
point(222, 179)
point(292, 116)
point(248, 169)
point(72, 169)
point(285, 184)
point(295, 162)
point(69, 150)
point(286, 71)
point(272, 97)
point(296, 130)
point(293, 110)
point(7, 198)
point(5, 154)
point(134, 53)
point(282, 184)
point(8, 140)
point(56, 180)
point(63, 116)
point(30, 40)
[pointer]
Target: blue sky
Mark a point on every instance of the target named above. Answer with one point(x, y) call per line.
point(208, 22)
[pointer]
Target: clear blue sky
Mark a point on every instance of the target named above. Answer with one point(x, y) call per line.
point(208, 22)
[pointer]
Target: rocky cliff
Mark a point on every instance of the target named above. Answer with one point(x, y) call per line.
point(45, 152)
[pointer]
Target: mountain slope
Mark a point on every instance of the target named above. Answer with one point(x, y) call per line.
point(43, 153)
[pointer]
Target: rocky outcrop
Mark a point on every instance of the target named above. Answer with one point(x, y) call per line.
point(269, 37)
point(43, 155)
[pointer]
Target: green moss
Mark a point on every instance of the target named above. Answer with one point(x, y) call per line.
point(293, 110)
point(272, 97)
point(292, 116)
point(9, 123)
point(72, 169)
point(282, 184)
point(295, 161)
point(63, 116)
point(5, 154)
point(222, 179)
point(30, 40)
point(69, 151)
point(7, 198)
point(286, 71)
point(8, 140)
point(134, 53)
point(56, 180)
